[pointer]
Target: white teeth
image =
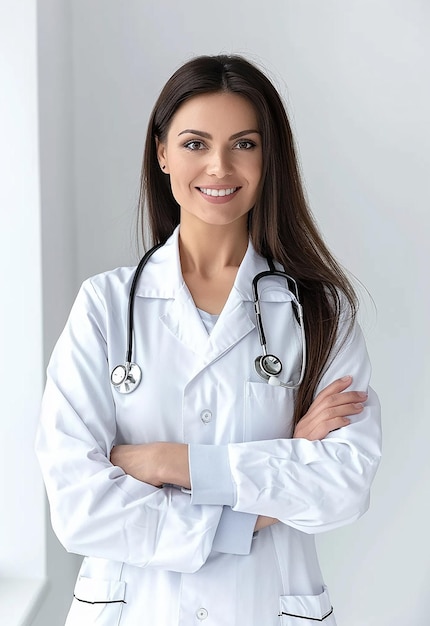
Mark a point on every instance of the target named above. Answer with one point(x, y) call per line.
point(218, 192)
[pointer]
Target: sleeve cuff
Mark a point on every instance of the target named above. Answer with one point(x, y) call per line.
point(234, 533)
point(210, 475)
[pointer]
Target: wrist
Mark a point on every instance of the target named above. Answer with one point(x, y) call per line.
point(174, 466)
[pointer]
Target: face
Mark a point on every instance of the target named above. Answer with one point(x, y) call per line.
point(213, 155)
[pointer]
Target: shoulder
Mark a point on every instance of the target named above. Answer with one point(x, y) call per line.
point(117, 279)
point(106, 288)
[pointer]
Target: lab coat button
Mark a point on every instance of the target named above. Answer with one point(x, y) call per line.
point(206, 416)
point(202, 614)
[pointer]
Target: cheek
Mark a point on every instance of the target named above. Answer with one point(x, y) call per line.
point(176, 190)
point(256, 176)
point(180, 184)
point(181, 171)
point(255, 170)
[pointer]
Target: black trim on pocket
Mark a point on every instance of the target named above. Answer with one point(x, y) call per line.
point(314, 619)
point(100, 601)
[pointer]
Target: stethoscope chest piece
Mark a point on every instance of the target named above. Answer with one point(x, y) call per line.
point(268, 365)
point(125, 378)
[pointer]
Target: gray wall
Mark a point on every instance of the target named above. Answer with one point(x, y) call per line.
point(354, 75)
point(59, 240)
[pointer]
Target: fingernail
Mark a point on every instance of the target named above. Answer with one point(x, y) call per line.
point(358, 405)
point(345, 378)
point(362, 394)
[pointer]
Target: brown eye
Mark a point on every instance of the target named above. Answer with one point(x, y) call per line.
point(194, 145)
point(245, 144)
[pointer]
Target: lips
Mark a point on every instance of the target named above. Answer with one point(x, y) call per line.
point(217, 193)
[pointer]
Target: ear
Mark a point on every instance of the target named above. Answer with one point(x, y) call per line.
point(162, 155)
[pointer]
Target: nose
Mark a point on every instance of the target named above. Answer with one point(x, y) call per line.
point(219, 163)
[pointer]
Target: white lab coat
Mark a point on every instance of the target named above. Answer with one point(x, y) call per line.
point(163, 557)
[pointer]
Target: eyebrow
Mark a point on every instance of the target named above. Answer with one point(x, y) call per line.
point(202, 133)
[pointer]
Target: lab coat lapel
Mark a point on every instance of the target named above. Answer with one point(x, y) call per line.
point(184, 322)
point(183, 319)
point(234, 322)
point(162, 278)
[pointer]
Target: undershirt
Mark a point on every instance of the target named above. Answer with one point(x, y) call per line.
point(208, 320)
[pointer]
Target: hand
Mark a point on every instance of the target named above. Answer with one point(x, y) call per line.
point(139, 461)
point(329, 410)
point(154, 463)
point(264, 522)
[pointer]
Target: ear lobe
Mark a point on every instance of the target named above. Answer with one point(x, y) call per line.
point(161, 155)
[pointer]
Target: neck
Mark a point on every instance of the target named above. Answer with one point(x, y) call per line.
point(206, 249)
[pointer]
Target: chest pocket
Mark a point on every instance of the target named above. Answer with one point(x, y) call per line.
point(97, 602)
point(306, 610)
point(268, 411)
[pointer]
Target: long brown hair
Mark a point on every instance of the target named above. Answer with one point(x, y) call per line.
point(281, 225)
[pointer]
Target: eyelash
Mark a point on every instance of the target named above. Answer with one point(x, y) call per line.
point(249, 145)
point(194, 141)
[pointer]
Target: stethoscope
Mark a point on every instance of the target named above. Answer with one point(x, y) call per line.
point(125, 378)
point(269, 366)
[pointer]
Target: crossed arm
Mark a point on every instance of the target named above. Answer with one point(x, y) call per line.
point(159, 463)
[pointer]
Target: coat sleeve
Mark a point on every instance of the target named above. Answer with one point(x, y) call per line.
point(312, 486)
point(96, 509)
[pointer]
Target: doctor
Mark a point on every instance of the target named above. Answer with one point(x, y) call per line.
point(195, 498)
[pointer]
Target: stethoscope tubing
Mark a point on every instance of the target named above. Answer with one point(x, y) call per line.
point(130, 314)
point(125, 378)
point(272, 271)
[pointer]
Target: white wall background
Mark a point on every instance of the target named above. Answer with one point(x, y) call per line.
point(20, 251)
point(355, 78)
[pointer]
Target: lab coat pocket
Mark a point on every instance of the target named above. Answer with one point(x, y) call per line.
point(306, 610)
point(268, 411)
point(97, 602)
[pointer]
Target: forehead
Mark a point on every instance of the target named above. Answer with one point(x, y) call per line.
point(215, 113)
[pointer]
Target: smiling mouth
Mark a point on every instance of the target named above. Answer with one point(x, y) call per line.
point(216, 193)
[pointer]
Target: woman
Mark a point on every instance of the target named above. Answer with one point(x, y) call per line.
point(196, 497)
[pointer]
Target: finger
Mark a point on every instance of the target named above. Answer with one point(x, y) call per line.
point(322, 430)
point(322, 421)
point(345, 397)
point(319, 429)
point(333, 412)
point(337, 399)
point(335, 387)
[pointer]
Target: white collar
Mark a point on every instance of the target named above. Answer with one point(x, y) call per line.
point(162, 276)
